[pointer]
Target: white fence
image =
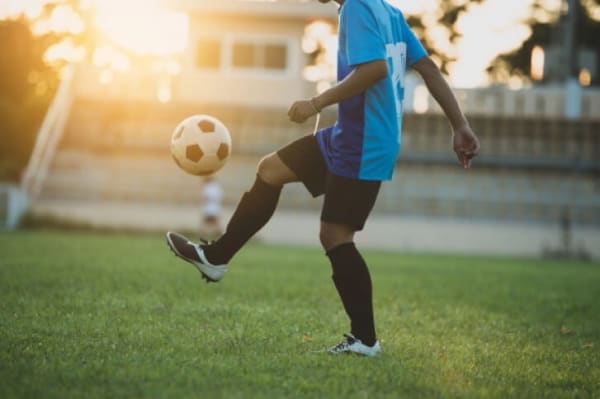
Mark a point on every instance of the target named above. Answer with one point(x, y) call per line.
point(539, 101)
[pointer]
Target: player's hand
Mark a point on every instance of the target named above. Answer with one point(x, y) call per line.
point(466, 145)
point(300, 111)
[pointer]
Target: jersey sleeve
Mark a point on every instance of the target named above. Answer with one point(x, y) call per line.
point(364, 42)
point(414, 48)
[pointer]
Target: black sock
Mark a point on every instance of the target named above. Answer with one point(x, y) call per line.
point(253, 211)
point(353, 282)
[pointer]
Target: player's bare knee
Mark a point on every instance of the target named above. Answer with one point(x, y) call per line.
point(267, 169)
point(326, 239)
point(332, 235)
point(272, 170)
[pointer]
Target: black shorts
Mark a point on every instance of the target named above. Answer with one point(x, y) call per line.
point(347, 201)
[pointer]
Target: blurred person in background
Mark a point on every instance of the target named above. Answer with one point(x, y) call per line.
point(212, 203)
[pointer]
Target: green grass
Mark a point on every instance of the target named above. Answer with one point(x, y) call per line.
point(118, 316)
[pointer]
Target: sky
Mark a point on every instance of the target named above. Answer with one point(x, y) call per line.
point(489, 29)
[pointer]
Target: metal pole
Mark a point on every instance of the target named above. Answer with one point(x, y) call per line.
point(571, 53)
point(569, 43)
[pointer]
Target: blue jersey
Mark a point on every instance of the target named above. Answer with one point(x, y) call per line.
point(365, 141)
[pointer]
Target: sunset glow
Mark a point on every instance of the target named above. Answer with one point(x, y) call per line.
point(585, 77)
point(62, 19)
point(537, 63)
point(123, 28)
point(320, 35)
point(141, 27)
point(132, 38)
point(148, 28)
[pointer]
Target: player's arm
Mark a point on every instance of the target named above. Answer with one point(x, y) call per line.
point(359, 80)
point(465, 142)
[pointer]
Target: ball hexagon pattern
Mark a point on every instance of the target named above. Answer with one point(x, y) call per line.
point(193, 152)
point(223, 151)
point(206, 126)
point(200, 145)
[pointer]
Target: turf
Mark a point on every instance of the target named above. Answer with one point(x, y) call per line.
point(108, 315)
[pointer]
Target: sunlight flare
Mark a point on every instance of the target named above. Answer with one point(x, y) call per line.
point(144, 29)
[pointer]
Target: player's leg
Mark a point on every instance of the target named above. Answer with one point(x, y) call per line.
point(300, 160)
point(254, 210)
point(340, 219)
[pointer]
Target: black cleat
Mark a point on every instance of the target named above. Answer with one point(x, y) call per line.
point(193, 253)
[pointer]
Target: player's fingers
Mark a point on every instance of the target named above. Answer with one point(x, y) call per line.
point(297, 116)
point(464, 159)
point(469, 158)
point(473, 153)
point(292, 111)
point(459, 156)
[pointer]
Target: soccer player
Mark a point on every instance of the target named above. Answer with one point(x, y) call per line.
point(347, 161)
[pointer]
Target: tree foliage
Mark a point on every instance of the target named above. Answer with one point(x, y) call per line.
point(518, 62)
point(27, 85)
point(447, 16)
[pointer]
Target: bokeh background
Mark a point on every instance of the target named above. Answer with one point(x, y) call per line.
point(90, 92)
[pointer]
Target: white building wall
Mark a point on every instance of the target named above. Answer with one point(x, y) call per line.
point(268, 88)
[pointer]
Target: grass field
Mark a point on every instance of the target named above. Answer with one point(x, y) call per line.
point(118, 316)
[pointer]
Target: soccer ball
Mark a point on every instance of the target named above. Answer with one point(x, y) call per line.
point(201, 145)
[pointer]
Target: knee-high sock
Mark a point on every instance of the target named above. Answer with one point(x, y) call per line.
point(253, 211)
point(353, 282)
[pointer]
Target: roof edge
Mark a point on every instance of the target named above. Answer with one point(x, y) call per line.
point(288, 8)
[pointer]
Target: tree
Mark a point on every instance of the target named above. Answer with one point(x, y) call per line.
point(545, 34)
point(27, 85)
point(22, 103)
point(447, 15)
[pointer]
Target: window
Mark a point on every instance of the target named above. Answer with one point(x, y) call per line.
point(242, 54)
point(275, 56)
point(259, 55)
point(208, 55)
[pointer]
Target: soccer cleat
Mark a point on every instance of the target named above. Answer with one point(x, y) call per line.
point(354, 345)
point(193, 253)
